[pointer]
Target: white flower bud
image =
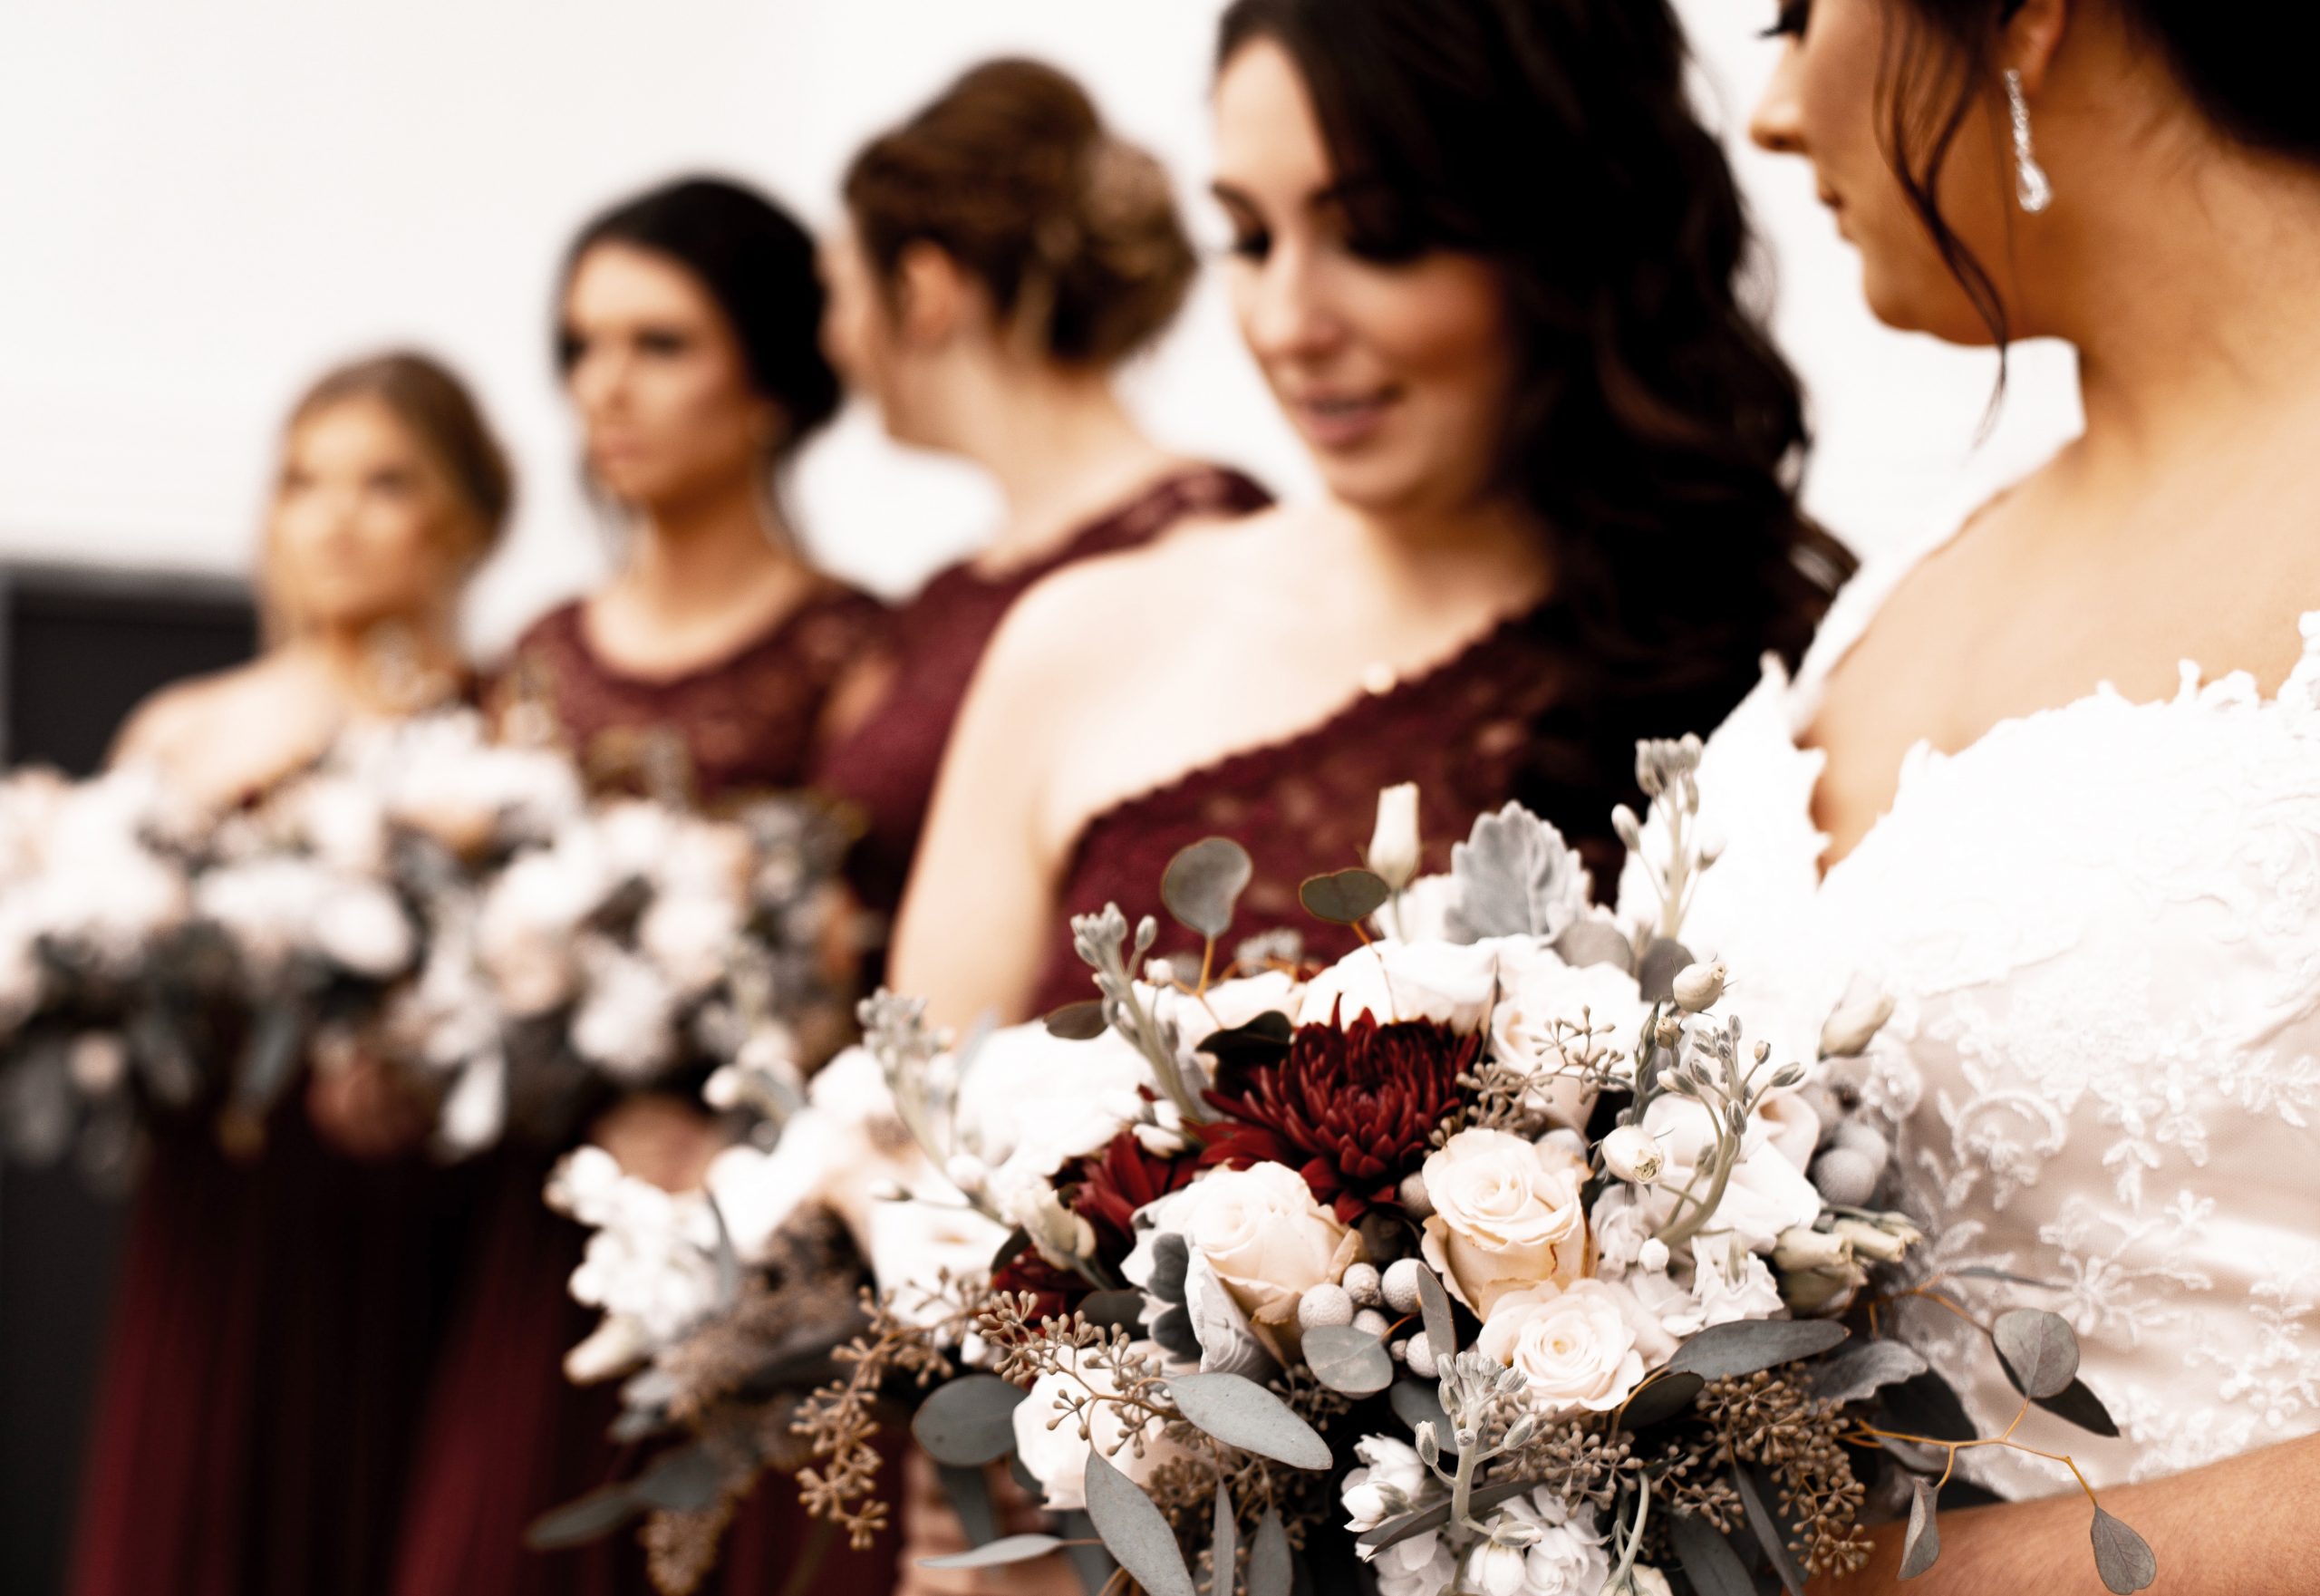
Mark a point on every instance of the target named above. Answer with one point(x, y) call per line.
point(1362, 1283)
point(1644, 1581)
point(1412, 1196)
point(1698, 986)
point(1401, 1285)
point(1370, 1322)
point(1322, 1306)
point(1872, 1240)
point(1394, 849)
point(1668, 1032)
point(97, 1062)
point(1419, 1356)
point(1801, 1249)
point(966, 1171)
point(1653, 1256)
point(1630, 1154)
point(1429, 1444)
point(1854, 1026)
point(1626, 827)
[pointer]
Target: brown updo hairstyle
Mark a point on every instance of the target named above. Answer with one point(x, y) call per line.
point(441, 414)
point(1073, 233)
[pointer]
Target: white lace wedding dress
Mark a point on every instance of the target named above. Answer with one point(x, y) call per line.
point(2100, 925)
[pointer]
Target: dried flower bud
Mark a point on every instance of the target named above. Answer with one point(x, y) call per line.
point(1419, 1356)
point(1362, 1284)
point(1371, 1323)
point(1802, 1249)
point(1845, 1177)
point(1653, 1255)
point(1668, 1031)
point(1872, 1240)
point(1698, 986)
point(1322, 1306)
point(1401, 1288)
point(1854, 1026)
point(1630, 1154)
point(1412, 1196)
point(1394, 847)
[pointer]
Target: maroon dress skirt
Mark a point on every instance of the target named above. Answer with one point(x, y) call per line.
point(886, 768)
point(504, 1437)
point(274, 1330)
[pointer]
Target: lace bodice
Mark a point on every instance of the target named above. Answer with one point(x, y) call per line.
point(2100, 925)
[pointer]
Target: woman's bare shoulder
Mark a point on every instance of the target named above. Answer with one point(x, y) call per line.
point(185, 715)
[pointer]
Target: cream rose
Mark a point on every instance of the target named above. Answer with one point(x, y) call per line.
point(1584, 1346)
point(1264, 1236)
point(1541, 990)
point(1506, 1215)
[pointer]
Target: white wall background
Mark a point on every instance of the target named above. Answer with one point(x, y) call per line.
point(201, 205)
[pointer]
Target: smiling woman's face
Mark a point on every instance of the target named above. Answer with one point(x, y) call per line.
point(1825, 104)
point(1395, 372)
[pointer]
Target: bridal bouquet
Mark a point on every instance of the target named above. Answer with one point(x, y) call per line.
point(1508, 1254)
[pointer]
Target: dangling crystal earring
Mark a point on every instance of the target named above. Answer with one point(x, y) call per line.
point(2031, 187)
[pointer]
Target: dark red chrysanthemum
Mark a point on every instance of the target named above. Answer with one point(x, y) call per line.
point(1058, 1289)
point(1349, 1108)
point(1106, 1188)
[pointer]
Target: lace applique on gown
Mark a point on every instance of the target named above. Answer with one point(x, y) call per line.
point(2100, 925)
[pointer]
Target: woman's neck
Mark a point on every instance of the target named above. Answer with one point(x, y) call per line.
point(1492, 549)
point(706, 555)
point(1061, 446)
point(389, 667)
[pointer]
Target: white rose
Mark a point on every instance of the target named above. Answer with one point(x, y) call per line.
point(1541, 992)
point(1029, 1100)
point(625, 1024)
point(1048, 1441)
point(360, 927)
point(1262, 1233)
point(1766, 1194)
point(1650, 1581)
point(689, 936)
point(1450, 984)
point(1584, 1346)
point(1506, 1215)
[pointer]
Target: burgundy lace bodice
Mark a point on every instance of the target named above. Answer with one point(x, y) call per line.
point(744, 723)
point(1505, 719)
point(886, 768)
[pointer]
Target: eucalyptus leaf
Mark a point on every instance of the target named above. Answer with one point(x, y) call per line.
point(1655, 974)
point(589, 1518)
point(1223, 1544)
point(996, 1554)
point(1441, 1324)
point(1922, 1544)
point(1516, 877)
point(1242, 1413)
point(1349, 1361)
point(1079, 1023)
point(1418, 1402)
point(2122, 1557)
point(1347, 897)
point(1924, 1404)
point(1272, 1570)
point(2039, 1348)
point(1757, 1502)
point(1203, 881)
point(1089, 1560)
point(1483, 1499)
point(1120, 1309)
point(1261, 1041)
point(2077, 1405)
point(1134, 1531)
point(684, 1480)
point(1666, 1398)
point(1744, 1346)
point(968, 1422)
point(1595, 942)
point(1709, 1563)
point(1853, 1372)
point(969, 1491)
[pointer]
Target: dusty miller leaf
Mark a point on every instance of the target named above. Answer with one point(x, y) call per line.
point(1134, 1531)
point(1203, 881)
point(1922, 1544)
point(1242, 1413)
point(2039, 1348)
point(2122, 1557)
point(1516, 877)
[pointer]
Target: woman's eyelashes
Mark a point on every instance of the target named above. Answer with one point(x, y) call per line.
point(1251, 246)
point(1789, 23)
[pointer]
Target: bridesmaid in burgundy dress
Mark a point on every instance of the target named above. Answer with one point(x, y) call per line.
point(1003, 255)
point(277, 1314)
point(716, 662)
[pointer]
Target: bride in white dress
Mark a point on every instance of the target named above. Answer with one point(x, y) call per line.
point(2087, 870)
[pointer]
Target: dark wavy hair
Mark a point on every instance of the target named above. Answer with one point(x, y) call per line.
point(1654, 430)
point(1940, 63)
point(757, 263)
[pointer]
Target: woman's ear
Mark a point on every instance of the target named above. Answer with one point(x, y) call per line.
point(2033, 34)
point(932, 294)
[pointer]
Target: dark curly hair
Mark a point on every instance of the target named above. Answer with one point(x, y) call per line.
point(1654, 430)
point(1073, 232)
point(1938, 65)
point(757, 263)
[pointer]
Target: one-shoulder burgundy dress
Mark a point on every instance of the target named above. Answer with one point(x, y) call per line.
point(1521, 713)
point(505, 1435)
point(886, 768)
